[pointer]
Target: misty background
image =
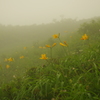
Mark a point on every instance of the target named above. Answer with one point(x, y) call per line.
point(30, 22)
point(28, 12)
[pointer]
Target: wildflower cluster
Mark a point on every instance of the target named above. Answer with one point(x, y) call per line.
point(48, 46)
point(43, 56)
point(9, 59)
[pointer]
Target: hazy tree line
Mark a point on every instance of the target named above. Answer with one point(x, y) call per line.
point(92, 27)
point(15, 35)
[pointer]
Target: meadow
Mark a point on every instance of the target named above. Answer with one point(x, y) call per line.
point(62, 67)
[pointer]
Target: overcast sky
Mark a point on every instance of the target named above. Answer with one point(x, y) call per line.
point(27, 12)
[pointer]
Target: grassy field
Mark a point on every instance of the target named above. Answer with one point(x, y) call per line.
point(65, 67)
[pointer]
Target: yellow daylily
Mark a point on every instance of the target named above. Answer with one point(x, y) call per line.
point(56, 36)
point(40, 47)
point(84, 37)
point(21, 57)
point(43, 56)
point(54, 44)
point(7, 66)
point(25, 47)
point(70, 36)
point(64, 44)
point(11, 59)
point(48, 46)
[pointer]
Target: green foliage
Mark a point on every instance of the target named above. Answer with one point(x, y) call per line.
point(91, 28)
point(74, 76)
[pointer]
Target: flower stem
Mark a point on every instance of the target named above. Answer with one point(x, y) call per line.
point(51, 52)
point(63, 47)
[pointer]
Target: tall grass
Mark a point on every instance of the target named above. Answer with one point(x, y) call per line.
point(74, 76)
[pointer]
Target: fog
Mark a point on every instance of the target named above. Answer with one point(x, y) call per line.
point(31, 22)
point(28, 12)
point(28, 25)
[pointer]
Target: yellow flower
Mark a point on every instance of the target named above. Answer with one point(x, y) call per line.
point(25, 47)
point(7, 66)
point(56, 36)
point(11, 59)
point(21, 57)
point(48, 46)
point(43, 56)
point(84, 37)
point(40, 47)
point(64, 44)
point(54, 44)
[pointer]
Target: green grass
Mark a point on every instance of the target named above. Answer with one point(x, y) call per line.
point(73, 73)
